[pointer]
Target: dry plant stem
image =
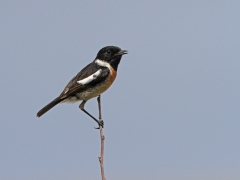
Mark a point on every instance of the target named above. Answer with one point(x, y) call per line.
point(102, 140)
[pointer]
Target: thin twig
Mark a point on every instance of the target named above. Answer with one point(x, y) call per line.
point(102, 140)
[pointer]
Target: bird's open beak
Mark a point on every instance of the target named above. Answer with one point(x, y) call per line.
point(122, 52)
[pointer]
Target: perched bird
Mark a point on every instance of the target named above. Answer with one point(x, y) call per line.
point(91, 81)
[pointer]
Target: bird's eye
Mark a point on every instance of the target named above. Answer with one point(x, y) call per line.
point(108, 51)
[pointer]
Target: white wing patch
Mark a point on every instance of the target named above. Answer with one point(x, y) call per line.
point(90, 78)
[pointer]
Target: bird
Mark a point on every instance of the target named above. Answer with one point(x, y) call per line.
point(91, 81)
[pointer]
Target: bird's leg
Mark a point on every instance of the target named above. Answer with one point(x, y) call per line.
point(81, 106)
point(100, 112)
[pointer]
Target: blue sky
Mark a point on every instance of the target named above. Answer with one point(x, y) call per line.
point(172, 113)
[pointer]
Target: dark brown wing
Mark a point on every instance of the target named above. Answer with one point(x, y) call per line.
point(74, 87)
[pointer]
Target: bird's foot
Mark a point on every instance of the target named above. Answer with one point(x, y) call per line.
point(100, 123)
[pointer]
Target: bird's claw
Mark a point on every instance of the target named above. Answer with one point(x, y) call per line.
point(100, 123)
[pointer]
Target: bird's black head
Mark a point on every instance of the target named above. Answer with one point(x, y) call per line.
point(111, 55)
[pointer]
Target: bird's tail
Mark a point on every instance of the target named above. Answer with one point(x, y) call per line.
point(49, 106)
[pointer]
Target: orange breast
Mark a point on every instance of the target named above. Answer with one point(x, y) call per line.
point(109, 81)
point(99, 89)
